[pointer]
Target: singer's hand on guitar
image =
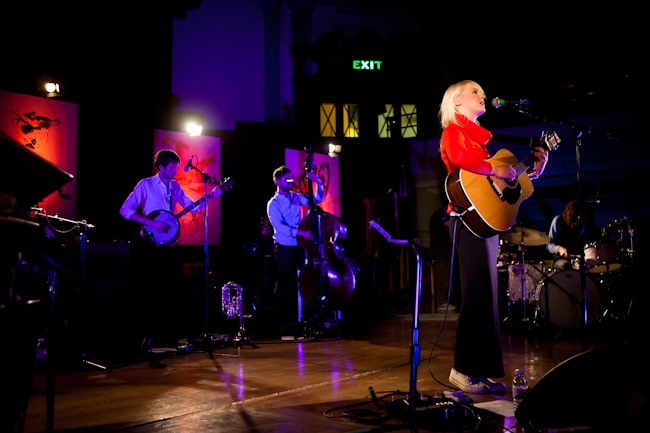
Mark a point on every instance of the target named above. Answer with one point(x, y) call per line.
point(541, 156)
point(506, 172)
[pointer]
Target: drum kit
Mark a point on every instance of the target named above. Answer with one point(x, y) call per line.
point(539, 294)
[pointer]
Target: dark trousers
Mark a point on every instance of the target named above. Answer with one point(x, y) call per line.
point(478, 333)
point(289, 260)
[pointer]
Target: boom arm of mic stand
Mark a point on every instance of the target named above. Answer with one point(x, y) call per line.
point(415, 347)
point(82, 242)
point(206, 177)
point(578, 128)
point(56, 217)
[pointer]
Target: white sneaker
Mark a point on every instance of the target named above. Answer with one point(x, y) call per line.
point(468, 384)
point(475, 385)
point(447, 307)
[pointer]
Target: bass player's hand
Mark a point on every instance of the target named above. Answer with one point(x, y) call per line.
point(216, 192)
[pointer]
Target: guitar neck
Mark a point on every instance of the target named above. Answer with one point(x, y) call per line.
point(550, 141)
point(192, 207)
point(223, 185)
point(525, 163)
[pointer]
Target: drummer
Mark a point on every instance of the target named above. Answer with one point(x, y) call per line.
point(570, 231)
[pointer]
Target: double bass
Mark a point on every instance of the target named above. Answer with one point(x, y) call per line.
point(327, 278)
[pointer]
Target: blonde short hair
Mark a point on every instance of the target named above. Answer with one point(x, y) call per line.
point(447, 113)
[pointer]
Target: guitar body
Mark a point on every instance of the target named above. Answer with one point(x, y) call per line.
point(159, 238)
point(488, 205)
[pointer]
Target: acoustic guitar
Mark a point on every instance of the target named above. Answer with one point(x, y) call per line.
point(489, 205)
point(168, 237)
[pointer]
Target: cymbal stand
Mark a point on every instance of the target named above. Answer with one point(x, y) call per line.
point(630, 251)
point(522, 278)
point(620, 301)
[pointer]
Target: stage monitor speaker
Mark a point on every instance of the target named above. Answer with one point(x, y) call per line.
point(600, 390)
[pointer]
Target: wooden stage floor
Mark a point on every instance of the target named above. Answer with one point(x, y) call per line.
point(265, 384)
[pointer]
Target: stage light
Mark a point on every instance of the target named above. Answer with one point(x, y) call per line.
point(333, 149)
point(53, 90)
point(194, 129)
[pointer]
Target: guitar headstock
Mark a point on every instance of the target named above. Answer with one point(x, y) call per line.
point(549, 140)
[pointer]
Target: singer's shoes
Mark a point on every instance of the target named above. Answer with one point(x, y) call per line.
point(475, 385)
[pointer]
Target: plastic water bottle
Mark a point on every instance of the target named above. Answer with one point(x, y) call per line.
point(519, 388)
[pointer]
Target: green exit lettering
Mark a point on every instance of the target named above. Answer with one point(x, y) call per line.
point(367, 64)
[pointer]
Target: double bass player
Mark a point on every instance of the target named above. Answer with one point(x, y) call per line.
point(284, 213)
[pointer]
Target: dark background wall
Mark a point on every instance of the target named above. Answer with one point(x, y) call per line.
point(136, 67)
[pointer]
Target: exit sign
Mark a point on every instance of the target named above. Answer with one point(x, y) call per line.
point(369, 65)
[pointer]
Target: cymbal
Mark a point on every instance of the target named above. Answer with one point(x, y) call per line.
point(528, 237)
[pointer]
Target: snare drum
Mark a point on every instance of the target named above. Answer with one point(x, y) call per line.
point(601, 257)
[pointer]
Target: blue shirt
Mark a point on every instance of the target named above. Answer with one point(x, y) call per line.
point(284, 214)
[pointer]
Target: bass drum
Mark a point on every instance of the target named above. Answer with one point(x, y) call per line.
point(560, 296)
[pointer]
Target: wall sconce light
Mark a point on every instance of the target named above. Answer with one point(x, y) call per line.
point(53, 90)
point(333, 149)
point(194, 129)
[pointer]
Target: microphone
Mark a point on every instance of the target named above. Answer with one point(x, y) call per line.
point(499, 102)
point(189, 164)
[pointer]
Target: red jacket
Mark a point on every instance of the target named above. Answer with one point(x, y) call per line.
point(463, 145)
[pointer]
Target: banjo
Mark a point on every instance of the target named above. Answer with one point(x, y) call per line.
point(168, 237)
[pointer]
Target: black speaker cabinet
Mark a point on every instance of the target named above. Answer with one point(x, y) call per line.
point(600, 390)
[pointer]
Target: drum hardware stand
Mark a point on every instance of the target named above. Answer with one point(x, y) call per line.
point(614, 310)
point(522, 278)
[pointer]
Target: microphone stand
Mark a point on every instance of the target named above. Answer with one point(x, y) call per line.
point(578, 130)
point(208, 342)
point(413, 396)
point(50, 344)
point(577, 134)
